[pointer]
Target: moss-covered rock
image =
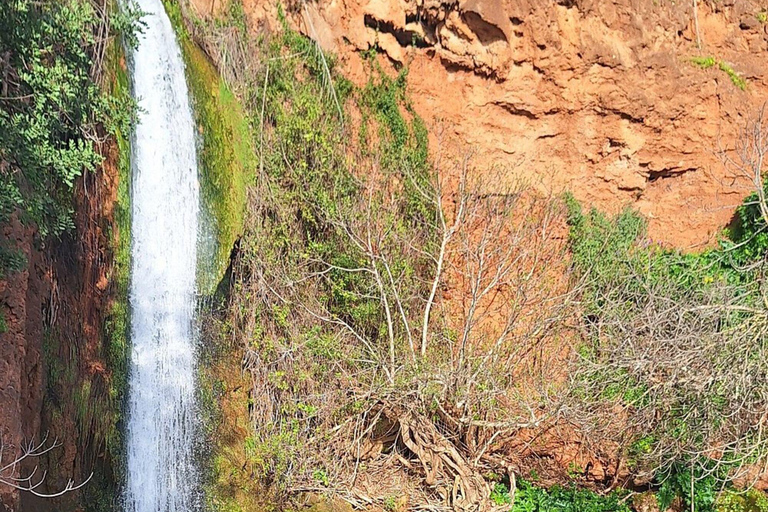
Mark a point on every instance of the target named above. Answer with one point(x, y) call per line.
point(225, 157)
point(117, 321)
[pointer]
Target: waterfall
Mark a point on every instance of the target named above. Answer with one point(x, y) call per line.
point(161, 476)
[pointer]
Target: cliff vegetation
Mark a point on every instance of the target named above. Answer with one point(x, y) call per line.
point(415, 340)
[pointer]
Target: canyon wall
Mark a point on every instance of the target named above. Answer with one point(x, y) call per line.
point(59, 385)
point(20, 358)
point(599, 97)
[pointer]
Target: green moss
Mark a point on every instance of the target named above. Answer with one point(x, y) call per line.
point(225, 156)
point(223, 400)
point(117, 326)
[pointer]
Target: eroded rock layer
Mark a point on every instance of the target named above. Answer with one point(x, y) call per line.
point(603, 98)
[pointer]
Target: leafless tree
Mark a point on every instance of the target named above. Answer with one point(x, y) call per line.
point(10, 475)
point(499, 249)
point(673, 367)
point(746, 161)
point(677, 376)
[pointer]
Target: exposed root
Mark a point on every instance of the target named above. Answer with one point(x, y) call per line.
point(444, 467)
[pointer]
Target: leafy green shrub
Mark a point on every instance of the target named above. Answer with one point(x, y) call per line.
point(529, 498)
point(500, 494)
point(748, 239)
point(735, 501)
point(702, 495)
point(52, 108)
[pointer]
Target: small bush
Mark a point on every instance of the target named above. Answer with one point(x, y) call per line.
point(667, 334)
point(529, 498)
point(710, 62)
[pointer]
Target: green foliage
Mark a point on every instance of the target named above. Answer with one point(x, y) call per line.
point(749, 237)
point(402, 144)
point(639, 448)
point(271, 457)
point(11, 260)
point(704, 62)
point(226, 155)
point(677, 483)
point(529, 498)
point(599, 242)
point(52, 108)
point(390, 504)
point(235, 17)
point(616, 250)
point(735, 501)
point(710, 62)
point(611, 250)
point(736, 79)
point(308, 168)
point(500, 494)
point(321, 477)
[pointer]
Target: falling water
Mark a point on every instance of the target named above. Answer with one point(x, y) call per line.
point(161, 431)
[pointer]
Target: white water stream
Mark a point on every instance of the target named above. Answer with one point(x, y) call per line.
point(161, 475)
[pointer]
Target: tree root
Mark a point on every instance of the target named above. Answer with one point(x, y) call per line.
point(445, 468)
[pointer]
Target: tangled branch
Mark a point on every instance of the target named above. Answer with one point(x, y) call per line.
point(9, 471)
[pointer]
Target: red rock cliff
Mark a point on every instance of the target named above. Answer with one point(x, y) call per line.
point(596, 96)
point(53, 347)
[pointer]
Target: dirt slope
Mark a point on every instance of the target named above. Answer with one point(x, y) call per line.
point(596, 96)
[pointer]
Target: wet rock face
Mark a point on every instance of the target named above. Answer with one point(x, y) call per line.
point(599, 97)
